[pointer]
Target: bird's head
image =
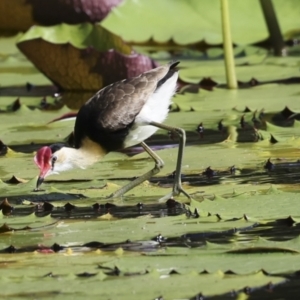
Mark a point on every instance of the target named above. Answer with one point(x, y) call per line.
point(51, 160)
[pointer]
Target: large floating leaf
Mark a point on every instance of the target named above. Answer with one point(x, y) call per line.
point(81, 57)
point(265, 70)
point(199, 20)
point(135, 286)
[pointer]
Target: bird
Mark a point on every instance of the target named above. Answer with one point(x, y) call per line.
point(118, 116)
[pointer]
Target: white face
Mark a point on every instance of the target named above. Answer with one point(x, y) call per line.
point(61, 161)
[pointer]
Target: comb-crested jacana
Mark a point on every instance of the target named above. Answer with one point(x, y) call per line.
point(120, 115)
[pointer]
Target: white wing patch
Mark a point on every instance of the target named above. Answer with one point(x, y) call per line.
point(155, 110)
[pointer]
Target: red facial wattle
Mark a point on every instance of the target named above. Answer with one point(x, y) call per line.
point(42, 160)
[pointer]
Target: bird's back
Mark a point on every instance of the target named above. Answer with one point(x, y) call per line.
point(108, 116)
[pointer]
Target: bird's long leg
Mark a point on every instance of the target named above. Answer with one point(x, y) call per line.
point(177, 186)
point(158, 166)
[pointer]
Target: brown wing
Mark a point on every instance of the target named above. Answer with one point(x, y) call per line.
point(114, 108)
point(119, 103)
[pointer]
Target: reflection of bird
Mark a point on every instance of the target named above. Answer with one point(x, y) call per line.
point(120, 115)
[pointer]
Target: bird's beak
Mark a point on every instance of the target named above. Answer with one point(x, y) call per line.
point(42, 176)
point(39, 182)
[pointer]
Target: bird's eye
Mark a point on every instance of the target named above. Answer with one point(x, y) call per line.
point(53, 160)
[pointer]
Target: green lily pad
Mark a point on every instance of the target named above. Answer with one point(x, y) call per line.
point(240, 230)
point(197, 24)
